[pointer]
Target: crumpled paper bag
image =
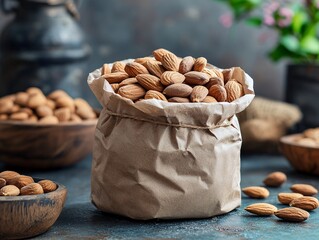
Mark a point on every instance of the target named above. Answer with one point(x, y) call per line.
point(155, 159)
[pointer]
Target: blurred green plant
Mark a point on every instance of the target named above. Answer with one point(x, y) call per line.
point(296, 21)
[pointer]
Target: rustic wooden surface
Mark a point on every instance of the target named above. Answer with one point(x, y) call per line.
point(28, 216)
point(80, 219)
point(45, 146)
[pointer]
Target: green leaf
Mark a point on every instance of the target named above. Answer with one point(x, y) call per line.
point(298, 20)
point(290, 42)
point(310, 44)
point(254, 21)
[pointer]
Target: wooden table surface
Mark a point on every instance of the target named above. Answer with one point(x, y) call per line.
point(80, 220)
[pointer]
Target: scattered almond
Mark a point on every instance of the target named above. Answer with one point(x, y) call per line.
point(304, 189)
point(261, 209)
point(292, 214)
point(306, 203)
point(256, 192)
point(286, 198)
point(275, 179)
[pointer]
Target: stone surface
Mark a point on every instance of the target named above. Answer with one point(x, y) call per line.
point(80, 220)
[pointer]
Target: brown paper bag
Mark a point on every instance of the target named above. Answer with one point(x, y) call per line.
point(155, 159)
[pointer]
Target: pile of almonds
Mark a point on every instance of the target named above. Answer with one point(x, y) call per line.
point(309, 138)
point(169, 78)
point(14, 184)
point(33, 106)
point(300, 200)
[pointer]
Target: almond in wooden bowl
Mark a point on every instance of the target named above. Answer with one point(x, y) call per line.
point(32, 215)
point(302, 153)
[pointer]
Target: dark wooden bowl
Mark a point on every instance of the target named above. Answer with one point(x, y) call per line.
point(45, 146)
point(303, 158)
point(28, 216)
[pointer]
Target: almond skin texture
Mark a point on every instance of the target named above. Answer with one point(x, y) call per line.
point(151, 94)
point(32, 189)
point(214, 81)
point(292, 214)
point(3, 182)
point(150, 82)
point(132, 91)
point(8, 175)
point(9, 190)
point(128, 81)
point(304, 189)
point(196, 78)
point(209, 99)
point(178, 100)
point(178, 90)
point(133, 69)
point(218, 92)
point(170, 62)
point(305, 203)
point(198, 94)
point(143, 60)
point(210, 72)
point(48, 186)
point(234, 90)
point(118, 67)
point(155, 68)
point(200, 64)
point(275, 179)
point(20, 181)
point(186, 65)
point(106, 69)
point(286, 198)
point(159, 53)
point(256, 192)
point(261, 209)
point(115, 77)
point(49, 120)
point(171, 77)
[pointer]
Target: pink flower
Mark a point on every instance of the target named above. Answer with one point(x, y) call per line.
point(269, 20)
point(286, 17)
point(226, 20)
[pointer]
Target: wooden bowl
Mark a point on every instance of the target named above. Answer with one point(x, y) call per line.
point(28, 216)
point(45, 146)
point(303, 158)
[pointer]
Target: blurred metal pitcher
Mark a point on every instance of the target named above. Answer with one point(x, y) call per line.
point(42, 46)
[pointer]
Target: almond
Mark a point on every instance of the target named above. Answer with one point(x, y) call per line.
point(36, 100)
point(178, 90)
point(6, 106)
point(31, 189)
point(218, 92)
point(63, 114)
point(4, 117)
point(20, 116)
point(118, 67)
point(286, 198)
point(10, 97)
point(150, 82)
point(155, 68)
point(214, 81)
point(256, 192)
point(238, 74)
point(75, 118)
point(48, 186)
point(200, 64)
point(178, 100)
point(81, 103)
point(151, 94)
point(186, 65)
point(305, 203)
point(132, 91)
point(43, 111)
point(3, 182)
point(16, 108)
point(209, 99)
point(304, 189)
point(227, 73)
point(105, 69)
point(116, 86)
point(8, 175)
point(234, 90)
point(196, 78)
point(275, 179)
point(49, 120)
point(34, 91)
point(22, 98)
point(292, 214)
point(32, 119)
point(9, 190)
point(57, 94)
point(170, 62)
point(159, 53)
point(27, 111)
point(198, 94)
point(85, 113)
point(261, 209)
point(210, 72)
point(144, 60)
point(133, 69)
point(128, 81)
point(218, 73)
point(20, 181)
point(65, 102)
point(115, 77)
point(171, 77)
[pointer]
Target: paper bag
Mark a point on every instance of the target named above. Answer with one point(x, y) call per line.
point(155, 159)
